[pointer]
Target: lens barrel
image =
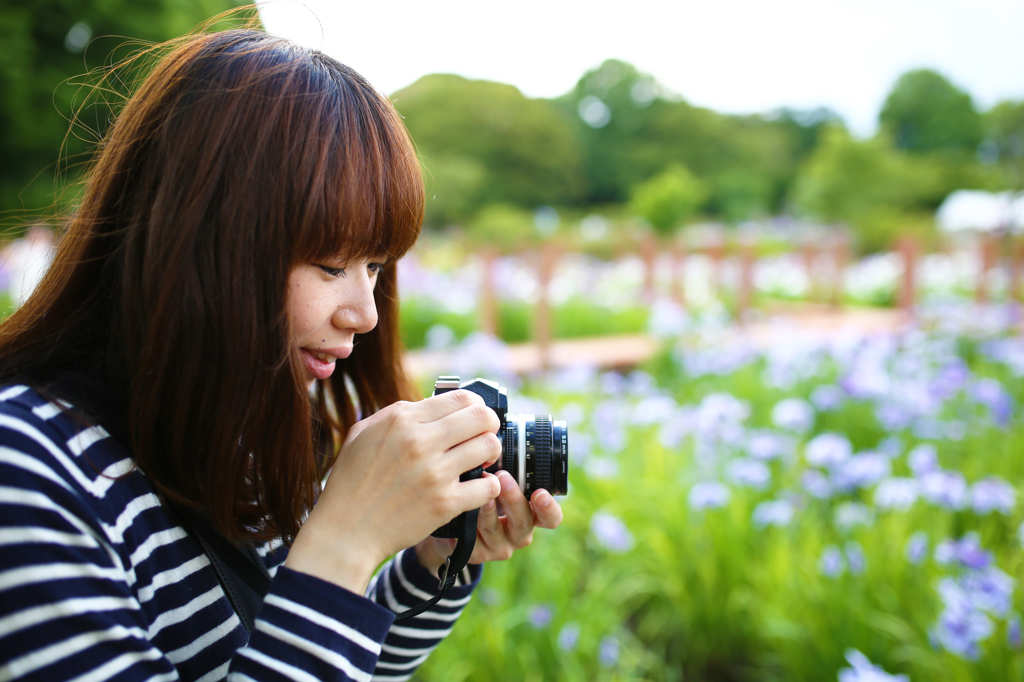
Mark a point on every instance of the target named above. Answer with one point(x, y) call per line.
point(536, 452)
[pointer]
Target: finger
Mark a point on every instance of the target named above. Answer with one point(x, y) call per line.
point(440, 406)
point(377, 416)
point(518, 515)
point(547, 513)
point(488, 525)
point(475, 493)
point(472, 453)
point(464, 423)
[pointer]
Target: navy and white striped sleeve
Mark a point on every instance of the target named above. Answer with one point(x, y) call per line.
point(402, 584)
point(97, 582)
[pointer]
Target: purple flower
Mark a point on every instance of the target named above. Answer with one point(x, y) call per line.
point(828, 397)
point(892, 416)
point(891, 447)
point(773, 513)
point(613, 383)
point(817, 484)
point(1013, 631)
point(750, 473)
point(718, 411)
point(923, 459)
point(862, 471)
point(793, 414)
point(708, 495)
point(831, 564)
point(951, 378)
point(608, 654)
point(654, 410)
point(993, 494)
point(945, 488)
point(828, 450)
point(766, 445)
point(989, 589)
point(610, 532)
point(917, 548)
point(897, 493)
point(849, 515)
point(855, 557)
point(539, 616)
point(991, 393)
point(967, 552)
point(568, 636)
point(863, 670)
point(961, 626)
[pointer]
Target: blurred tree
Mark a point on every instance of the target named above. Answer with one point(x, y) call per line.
point(502, 226)
point(868, 185)
point(668, 199)
point(483, 142)
point(632, 128)
point(1005, 133)
point(924, 112)
point(46, 42)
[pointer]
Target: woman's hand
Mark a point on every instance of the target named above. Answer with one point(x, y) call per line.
point(395, 481)
point(498, 536)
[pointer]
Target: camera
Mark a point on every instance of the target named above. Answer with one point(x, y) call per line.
point(535, 448)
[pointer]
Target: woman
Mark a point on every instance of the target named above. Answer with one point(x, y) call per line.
point(232, 256)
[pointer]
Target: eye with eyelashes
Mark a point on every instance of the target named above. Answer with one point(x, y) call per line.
point(374, 268)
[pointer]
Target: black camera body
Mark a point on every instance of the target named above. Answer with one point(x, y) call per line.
point(535, 448)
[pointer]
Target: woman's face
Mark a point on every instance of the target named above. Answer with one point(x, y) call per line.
point(328, 304)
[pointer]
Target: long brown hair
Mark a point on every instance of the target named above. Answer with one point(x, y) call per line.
point(240, 156)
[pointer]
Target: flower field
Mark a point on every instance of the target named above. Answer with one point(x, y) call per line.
point(819, 509)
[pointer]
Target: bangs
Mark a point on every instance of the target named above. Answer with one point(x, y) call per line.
point(365, 195)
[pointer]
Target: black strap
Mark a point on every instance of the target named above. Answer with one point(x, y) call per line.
point(454, 564)
point(241, 572)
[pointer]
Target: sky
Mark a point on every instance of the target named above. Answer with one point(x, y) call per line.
point(733, 56)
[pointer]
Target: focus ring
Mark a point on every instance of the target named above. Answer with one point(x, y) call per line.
point(542, 453)
point(509, 458)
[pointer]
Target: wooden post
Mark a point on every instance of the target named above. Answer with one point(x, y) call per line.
point(679, 274)
point(649, 254)
point(907, 247)
point(745, 295)
point(1016, 263)
point(716, 252)
point(987, 250)
point(810, 253)
point(488, 301)
point(542, 326)
point(840, 257)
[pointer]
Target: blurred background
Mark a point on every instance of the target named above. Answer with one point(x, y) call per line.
point(764, 259)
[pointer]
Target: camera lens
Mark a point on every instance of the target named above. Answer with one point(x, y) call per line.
point(536, 453)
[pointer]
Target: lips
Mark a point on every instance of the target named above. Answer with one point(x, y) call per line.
point(320, 362)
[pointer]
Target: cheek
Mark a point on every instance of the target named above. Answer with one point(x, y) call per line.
point(304, 308)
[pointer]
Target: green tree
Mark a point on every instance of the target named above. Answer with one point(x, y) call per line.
point(632, 128)
point(868, 185)
point(924, 112)
point(47, 42)
point(483, 143)
point(668, 199)
point(1005, 132)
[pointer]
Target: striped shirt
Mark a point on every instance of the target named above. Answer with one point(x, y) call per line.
point(98, 583)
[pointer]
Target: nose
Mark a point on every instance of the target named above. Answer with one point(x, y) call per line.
point(357, 310)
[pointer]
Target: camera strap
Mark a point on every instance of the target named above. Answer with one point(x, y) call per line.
point(454, 564)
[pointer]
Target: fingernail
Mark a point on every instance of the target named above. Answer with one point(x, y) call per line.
point(506, 480)
point(542, 498)
point(489, 505)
